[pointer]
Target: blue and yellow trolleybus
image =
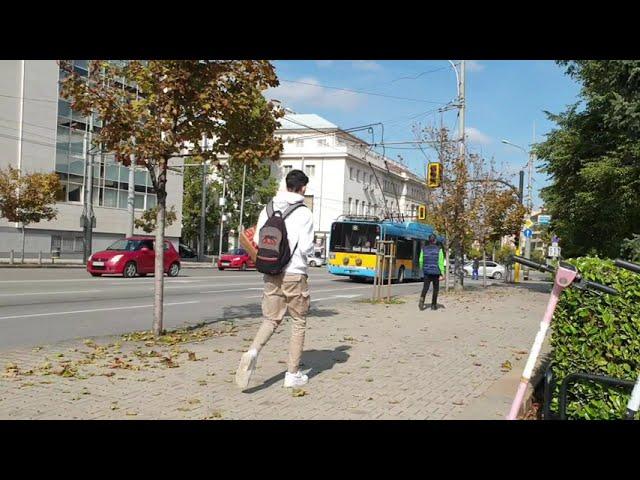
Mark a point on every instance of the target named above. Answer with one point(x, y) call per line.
point(353, 240)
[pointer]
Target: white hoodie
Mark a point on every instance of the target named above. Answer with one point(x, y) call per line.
point(299, 230)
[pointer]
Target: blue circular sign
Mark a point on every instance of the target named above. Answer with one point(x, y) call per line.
point(528, 233)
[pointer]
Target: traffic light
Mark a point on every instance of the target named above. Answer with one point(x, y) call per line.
point(434, 175)
point(422, 212)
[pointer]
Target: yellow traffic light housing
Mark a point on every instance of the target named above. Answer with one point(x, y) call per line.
point(422, 212)
point(434, 175)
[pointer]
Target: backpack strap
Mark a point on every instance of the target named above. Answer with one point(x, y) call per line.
point(270, 209)
point(290, 209)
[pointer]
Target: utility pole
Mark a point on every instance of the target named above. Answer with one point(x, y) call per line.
point(223, 201)
point(131, 196)
point(201, 249)
point(527, 248)
point(88, 217)
point(458, 277)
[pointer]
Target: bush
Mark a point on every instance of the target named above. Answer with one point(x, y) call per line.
point(599, 335)
point(502, 255)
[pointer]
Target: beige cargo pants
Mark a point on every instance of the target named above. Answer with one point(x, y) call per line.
point(281, 293)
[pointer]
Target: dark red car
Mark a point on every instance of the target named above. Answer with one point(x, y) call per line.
point(236, 258)
point(133, 256)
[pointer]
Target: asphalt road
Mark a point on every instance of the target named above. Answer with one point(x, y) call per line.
point(41, 306)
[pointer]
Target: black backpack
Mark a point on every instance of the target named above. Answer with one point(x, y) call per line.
point(273, 244)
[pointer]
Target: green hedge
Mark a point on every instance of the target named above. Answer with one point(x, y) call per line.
point(599, 335)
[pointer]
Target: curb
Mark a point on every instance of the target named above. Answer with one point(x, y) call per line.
point(75, 265)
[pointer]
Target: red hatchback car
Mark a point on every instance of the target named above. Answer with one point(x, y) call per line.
point(133, 256)
point(236, 258)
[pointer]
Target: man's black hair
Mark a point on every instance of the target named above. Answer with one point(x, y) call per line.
point(296, 179)
point(432, 238)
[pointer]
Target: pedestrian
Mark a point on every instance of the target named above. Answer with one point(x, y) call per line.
point(476, 267)
point(432, 263)
point(284, 235)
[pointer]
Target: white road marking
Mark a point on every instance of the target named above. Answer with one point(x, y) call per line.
point(234, 290)
point(66, 292)
point(93, 310)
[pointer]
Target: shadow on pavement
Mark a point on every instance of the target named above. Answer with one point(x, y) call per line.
point(254, 311)
point(316, 360)
point(532, 285)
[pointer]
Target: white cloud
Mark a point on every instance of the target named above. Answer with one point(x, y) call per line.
point(474, 66)
point(474, 135)
point(306, 95)
point(324, 63)
point(366, 65)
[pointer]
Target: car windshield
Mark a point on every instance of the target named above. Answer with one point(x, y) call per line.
point(125, 245)
point(237, 251)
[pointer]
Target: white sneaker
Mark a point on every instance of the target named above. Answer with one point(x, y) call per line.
point(295, 379)
point(245, 369)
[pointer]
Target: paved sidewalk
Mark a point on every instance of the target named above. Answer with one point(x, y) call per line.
point(367, 362)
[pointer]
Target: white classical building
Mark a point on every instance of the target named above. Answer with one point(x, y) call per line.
point(346, 176)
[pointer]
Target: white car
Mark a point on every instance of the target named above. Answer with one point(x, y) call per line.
point(316, 261)
point(494, 270)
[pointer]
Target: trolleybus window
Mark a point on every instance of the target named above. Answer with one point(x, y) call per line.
point(353, 237)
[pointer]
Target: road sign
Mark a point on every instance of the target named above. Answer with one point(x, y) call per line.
point(528, 224)
point(544, 219)
point(528, 233)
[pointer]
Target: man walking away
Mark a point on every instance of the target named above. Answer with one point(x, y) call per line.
point(475, 268)
point(284, 235)
point(432, 263)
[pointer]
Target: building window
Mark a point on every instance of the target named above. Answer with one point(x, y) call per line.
point(358, 176)
point(351, 173)
point(371, 179)
point(310, 170)
point(286, 169)
point(357, 207)
point(308, 201)
point(299, 143)
point(350, 204)
point(365, 208)
point(323, 142)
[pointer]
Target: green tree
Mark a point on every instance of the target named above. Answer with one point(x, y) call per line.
point(156, 110)
point(592, 159)
point(630, 249)
point(191, 206)
point(28, 198)
point(260, 187)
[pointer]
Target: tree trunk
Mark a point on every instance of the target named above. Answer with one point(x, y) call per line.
point(159, 250)
point(493, 252)
point(458, 282)
point(22, 261)
point(484, 267)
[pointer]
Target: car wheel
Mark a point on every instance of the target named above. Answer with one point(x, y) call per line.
point(174, 269)
point(220, 268)
point(130, 270)
point(497, 275)
point(96, 274)
point(142, 274)
point(312, 263)
point(243, 267)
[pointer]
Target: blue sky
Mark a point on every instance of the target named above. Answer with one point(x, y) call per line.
point(504, 100)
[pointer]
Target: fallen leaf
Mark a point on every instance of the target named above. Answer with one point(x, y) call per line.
point(193, 401)
point(368, 379)
point(192, 356)
point(298, 392)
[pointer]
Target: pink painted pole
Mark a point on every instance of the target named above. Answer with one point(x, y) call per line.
point(564, 278)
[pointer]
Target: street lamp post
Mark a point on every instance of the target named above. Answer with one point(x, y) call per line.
point(203, 203)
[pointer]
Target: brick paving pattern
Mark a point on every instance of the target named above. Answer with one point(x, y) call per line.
point(366, 362)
